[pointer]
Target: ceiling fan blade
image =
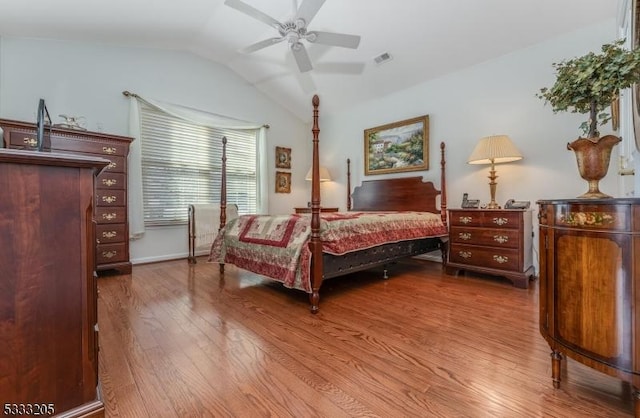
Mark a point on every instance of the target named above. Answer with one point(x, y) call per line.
point(301, 56)
point(262, 44)
point(253, 12)
point(308, 10)
point(334, 39)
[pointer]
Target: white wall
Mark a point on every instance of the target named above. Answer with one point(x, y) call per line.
point(496, 97)
point(87, 80)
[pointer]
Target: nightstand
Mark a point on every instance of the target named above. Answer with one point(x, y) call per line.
point(308, 210)
point(492, 241)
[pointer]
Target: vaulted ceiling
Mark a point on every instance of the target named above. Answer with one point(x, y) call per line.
point(425, 38)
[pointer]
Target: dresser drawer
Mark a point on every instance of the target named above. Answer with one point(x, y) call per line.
point(589, 216)
point(109, 180)
point(110, 197)
point(116, 164)
point(108, 215)
point(110, 233)
point(23, 140)
point(505, 238)
point(486, 218)
point(104, 149)
point(496, 258)
point(111, 253)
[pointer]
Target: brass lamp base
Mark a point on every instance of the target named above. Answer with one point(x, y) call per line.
point(492, 187)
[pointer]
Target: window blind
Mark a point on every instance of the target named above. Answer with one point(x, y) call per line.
point(182, 162)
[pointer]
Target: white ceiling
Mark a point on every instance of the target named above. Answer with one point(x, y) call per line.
point(426, 38)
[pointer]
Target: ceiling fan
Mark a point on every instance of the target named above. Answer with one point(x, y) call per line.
point(295, 30)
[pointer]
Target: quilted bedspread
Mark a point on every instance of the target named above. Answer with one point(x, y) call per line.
point(276, 246)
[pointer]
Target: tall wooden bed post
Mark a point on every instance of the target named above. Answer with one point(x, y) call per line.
point(348, 184)
point(315, 245)
point(444, 244)
point(223, 193)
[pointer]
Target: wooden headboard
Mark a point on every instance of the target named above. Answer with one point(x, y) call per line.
point(400, 194)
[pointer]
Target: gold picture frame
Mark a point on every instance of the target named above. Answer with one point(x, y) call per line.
point(283, 157)
point(283, 182)
point(397, 147)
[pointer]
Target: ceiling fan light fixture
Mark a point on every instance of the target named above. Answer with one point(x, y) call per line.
point(295, 30)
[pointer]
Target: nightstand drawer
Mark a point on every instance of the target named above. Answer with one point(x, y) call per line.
point(496, 258)
point(504, 238)
point(486, 218)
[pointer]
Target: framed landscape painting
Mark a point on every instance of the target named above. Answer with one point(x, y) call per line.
point(397, 147)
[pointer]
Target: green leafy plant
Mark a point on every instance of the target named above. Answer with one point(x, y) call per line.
point(588, 84)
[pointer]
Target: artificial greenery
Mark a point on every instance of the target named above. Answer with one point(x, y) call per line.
point(589, 84)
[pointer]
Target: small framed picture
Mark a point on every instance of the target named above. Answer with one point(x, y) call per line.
point(283, 182)
point(283, 157)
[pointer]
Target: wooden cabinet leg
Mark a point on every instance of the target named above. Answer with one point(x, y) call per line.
point(556, 362)
point(636, 402)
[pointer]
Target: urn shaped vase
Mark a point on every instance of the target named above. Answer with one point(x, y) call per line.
point(593, 156)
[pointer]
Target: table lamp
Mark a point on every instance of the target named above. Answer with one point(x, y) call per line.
point(324, 174)
point(493, 150)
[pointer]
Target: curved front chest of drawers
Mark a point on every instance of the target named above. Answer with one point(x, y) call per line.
point(589, 291)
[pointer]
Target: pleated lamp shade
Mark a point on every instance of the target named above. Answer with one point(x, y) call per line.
point(324, 174)
point(494, 149)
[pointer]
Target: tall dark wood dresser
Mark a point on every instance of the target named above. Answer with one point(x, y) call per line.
point(48, 306)
point(590, 285)
point(112, 240)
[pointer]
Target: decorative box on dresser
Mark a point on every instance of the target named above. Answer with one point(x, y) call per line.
point(112, 239)
point(589, 285)
point(492, 241)
point(48, 307)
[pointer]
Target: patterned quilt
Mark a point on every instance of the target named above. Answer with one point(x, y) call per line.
point(277, 246)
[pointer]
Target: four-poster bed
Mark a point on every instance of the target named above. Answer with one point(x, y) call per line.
point(389, 219)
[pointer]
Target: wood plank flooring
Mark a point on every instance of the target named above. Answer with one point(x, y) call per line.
point(176, 341)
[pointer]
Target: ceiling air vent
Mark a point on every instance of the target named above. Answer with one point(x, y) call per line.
point(382, 58)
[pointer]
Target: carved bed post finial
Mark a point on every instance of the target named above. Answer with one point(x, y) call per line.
point(223, 192)
point(348, 184)
point(314, 244)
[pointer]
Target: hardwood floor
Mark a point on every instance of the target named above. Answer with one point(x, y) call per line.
point(176, 341)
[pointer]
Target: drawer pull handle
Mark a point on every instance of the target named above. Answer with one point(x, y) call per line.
point(465, 236)
point(500, 221)
point(109, 182)
point(109, 216)
point(30, 141)
point(465, 219)
point(501, 238)
point(108, 150)
point(109, 199)
point(465, 254)
point(109, 254)
point(111, 165)
point(500, 259)
point(109, 234)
